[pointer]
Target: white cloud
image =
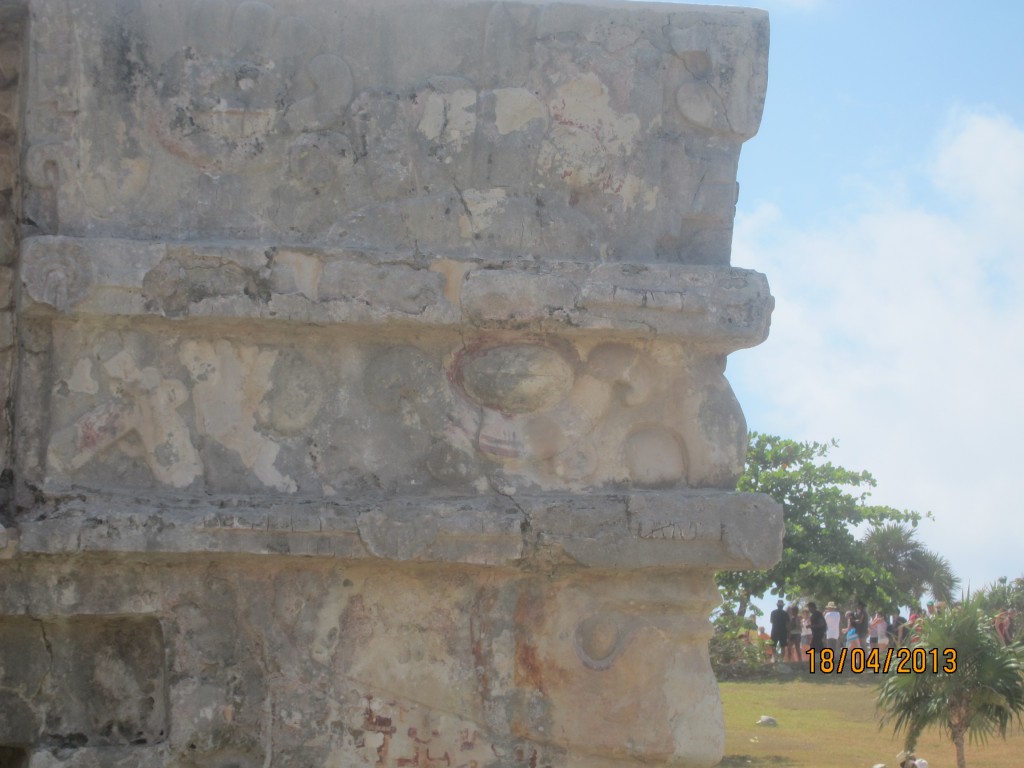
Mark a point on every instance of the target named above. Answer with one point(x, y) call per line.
point(899, 330)
point(980, 161)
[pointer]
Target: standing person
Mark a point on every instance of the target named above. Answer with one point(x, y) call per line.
point(852, 639)
point(832, 619)
point(817, 621)
point(912, 629)
point(1002, 625)
point(907, 628)
point(793, 650)
point(805, 631)
point(780, 630)
point(848, 628)
point(860, 623)
point(878, 632)
point(896, 630)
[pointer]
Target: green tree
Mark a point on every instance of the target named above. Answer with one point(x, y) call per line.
point(735, 649)
point(981, 697)
point(1004, 593)
point(914, 568)
point(1005, 598)
point(823, 505)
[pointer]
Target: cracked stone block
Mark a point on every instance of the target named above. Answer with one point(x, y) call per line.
point(82, 680)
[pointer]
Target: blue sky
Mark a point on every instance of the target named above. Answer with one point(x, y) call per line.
point(884, 199)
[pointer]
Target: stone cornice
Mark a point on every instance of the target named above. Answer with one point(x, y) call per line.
point(719, 307)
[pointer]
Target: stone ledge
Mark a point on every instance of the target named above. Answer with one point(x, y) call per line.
point(721, 307)
point(695, 529)
point(102, 757)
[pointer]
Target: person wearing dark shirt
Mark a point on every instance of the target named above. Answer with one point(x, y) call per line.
point(780, 630)
point(817, 628)
point(860, 623)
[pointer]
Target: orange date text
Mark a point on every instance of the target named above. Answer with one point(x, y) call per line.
point(901, 661)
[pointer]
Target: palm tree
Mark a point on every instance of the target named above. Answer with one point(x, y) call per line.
point(974, 694)
point(914, 568)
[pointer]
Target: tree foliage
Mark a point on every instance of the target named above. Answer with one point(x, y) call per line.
point(1004, 597)
point(823, 505)
point(915, 569)
point(982, 697)
point(735, 650)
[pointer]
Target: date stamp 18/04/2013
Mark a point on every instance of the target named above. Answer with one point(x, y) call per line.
point(903, 661)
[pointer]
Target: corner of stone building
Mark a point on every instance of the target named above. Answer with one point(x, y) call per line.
point(363, 381)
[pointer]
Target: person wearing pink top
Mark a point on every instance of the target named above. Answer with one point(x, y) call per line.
point(878, 632)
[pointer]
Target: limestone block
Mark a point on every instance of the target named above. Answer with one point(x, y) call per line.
point(366, 371)
point(717, 308)
point(82, 680)
point(367, 664)
point(708, 529)
point(100, 757)
point(502, 129)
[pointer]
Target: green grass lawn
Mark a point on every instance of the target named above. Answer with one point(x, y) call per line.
point(832, 721)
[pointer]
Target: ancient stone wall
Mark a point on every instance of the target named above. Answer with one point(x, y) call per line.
point(365, 380)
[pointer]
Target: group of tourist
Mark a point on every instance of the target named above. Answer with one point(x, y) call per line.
point(794, 631)
point(906, 759)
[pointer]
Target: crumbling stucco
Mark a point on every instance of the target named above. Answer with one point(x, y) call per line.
point(363, 368)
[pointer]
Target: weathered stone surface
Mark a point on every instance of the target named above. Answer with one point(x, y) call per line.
point(362, 375)
point(509, 129)
point(717, 308)
point(142, 406)
point(632, 530)
point(290, 662)
point(81, 680)
point(12, 25)
point(99, 757)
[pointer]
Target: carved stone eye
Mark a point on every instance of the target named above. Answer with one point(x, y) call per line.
point(517, 378)
point(599, 640)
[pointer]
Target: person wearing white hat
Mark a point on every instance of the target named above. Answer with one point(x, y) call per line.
point(832, 619)
point(906, 759)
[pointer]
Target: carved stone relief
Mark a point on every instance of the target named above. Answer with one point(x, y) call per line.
point(467, 415)
point(357, 664)
point(367, 380)
point(244, 119)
